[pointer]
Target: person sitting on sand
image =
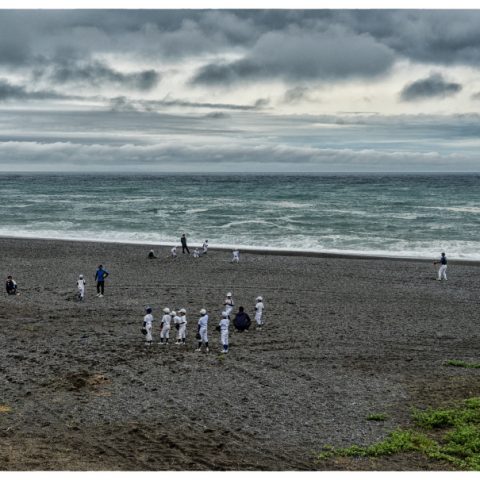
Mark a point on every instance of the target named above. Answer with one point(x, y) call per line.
point(228, 303)
point(442, 271)
point(165, 326)
point(236, 256)
point(151, 254)
point(173, 252)
point(100, 276)
point(242, 321)
point(202, 334)
point(205, 247)
point(147, 326)
point(81, 287)
point(259, 306)
point(11, 286)
point(196, 253)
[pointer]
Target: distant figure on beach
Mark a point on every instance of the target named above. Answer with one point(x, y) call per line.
point(223, 328)
point(196, 253)
point(205, 247)
point(147, 326)
point(100, 276)
point(81, 287)
point(173, 252)
point(242, 320)
point(228, 303)
point(165, 326)
point(183, 239)
point(442, 271)
point(259, 306)
point(202, 334)
point(182, 327)
point(151, 254)
point(11, 286)
point(236, 256)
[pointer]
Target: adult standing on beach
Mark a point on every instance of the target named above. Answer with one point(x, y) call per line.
point(183, 239)
point(442, 271)
point(100, 277)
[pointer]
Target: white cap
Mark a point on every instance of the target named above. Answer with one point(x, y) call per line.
point(182, 310)
point(80, 276)
point(166, 310)
point(259, 299)
point(174, 312)
point(203, 311)
point(229, 294)
point(224, 314)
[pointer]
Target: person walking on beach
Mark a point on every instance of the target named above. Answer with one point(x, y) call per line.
point(236, 256)
point(442, 271)
point(81, 287)
point(11, 286)
point(242, 321)
point(205, 247)
point(183, 239)
point(165, 326)
point(202, 335)
point(223, 328)
point(259, 306)
point(228, 303)
point(147, 326)
point(100, 276)
point(182, 327)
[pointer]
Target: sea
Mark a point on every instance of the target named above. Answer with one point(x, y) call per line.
point(416, 215)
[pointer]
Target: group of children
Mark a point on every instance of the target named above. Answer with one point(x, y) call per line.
point(180, 324)
point(196, 252)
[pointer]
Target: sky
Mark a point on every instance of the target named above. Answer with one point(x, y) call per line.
point(240, 90)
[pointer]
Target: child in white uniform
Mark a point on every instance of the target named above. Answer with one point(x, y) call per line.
point(196, 253)
point(165, 325)
point(173, 252)
point(223, 326)
point(259, 306)
point(202, 330)
point(236, 256)
point(205, 247)
point(81, 287)
point(147, 326)
point(182, 327)
point(229, 304)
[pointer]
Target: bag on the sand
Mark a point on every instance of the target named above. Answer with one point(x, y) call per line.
point(198, 336)
point(144, 331)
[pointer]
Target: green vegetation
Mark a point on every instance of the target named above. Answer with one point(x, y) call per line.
point(377, 417)
point(461, 363)
point(452, 435)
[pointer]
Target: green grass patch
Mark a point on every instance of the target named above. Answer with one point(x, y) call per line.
point(461, 363)
point(451, 435)
point(377, 417)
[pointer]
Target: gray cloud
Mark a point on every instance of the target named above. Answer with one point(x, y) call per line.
point(296, 94)
point(9, 91)
point(432, 86)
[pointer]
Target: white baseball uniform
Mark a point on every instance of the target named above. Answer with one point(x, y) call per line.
point(165, 332)
point(147, 324)
point(203, 331)
point(259, 306)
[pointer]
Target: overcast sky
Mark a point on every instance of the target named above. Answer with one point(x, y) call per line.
point(239, 90)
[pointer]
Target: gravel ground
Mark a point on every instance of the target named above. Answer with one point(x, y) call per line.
point(344, 338)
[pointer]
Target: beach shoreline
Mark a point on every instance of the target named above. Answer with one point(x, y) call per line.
point(344, 338)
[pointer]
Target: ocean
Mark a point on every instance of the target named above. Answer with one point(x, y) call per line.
point(393, 215)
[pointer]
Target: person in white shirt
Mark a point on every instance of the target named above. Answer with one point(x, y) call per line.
point(236, 256)
point(165, 326)
point(196, 253)
point(81, 287)
point(181, 323)
point(173, 252)
point(259, 306)
point(202, 335)
point(147, 326)
point(223, 327)
point(228, 304)
point(205, 247)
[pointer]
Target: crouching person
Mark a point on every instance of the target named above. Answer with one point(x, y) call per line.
point(11, 286)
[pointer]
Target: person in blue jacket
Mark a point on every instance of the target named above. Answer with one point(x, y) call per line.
point(100, 277)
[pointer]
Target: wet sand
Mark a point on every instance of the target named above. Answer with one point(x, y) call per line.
point(344, 337)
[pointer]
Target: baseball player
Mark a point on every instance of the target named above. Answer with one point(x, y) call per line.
point(173, 252)
point(165, 326)
point(181, 323)
point(223, 327)
point(202, 334)
point(236, 256)
point(205, 247)
point(81, 287)
point(147, 326)
point(259, 306)
point(229, 304)
point(196, 253)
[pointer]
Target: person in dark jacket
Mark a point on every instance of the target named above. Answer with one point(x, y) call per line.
point(11, 286)
point(100, 276)
point(242, 320)
point(184, 244)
